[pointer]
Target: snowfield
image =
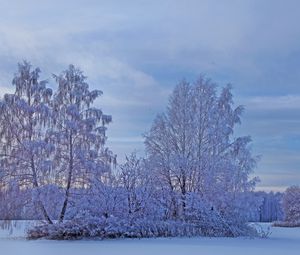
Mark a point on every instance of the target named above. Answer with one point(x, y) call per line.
point(281, 241)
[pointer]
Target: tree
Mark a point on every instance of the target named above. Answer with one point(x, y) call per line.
point(24, 119)
point(78, 134)
point(137, 185)
point(291, 204)
point(51, 144)
point(193, 149)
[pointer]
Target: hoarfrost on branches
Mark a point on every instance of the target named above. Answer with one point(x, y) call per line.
point(55, 166)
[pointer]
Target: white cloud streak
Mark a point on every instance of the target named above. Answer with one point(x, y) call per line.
point(287, 102)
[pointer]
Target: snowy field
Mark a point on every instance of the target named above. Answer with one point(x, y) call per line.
point(281, 241)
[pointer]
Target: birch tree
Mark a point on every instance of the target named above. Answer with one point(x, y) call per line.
point(24, 120)
point(193, 147)
point(78, 134)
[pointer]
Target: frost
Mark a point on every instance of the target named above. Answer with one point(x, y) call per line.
point(55, 166)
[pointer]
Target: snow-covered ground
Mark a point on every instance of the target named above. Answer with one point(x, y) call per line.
point(281, 241)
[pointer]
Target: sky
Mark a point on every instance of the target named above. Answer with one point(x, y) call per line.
point(137, 51)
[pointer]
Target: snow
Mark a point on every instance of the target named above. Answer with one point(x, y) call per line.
point(281, 241)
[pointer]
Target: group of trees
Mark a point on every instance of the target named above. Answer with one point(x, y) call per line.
point(270, 209)
point(54, 165)
point(50, 143)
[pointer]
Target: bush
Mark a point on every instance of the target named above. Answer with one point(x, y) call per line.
point(113, 227)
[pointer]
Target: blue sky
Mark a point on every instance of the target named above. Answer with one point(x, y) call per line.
point(136, 51)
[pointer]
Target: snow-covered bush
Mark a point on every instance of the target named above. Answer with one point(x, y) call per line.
point(113, 227)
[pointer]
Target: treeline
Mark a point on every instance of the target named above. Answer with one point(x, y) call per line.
point(271, 207)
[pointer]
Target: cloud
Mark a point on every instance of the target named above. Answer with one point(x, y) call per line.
point(137, 51)
point(267, 103)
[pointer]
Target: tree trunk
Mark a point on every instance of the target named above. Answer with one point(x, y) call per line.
point(70, 173)
point(36, 185)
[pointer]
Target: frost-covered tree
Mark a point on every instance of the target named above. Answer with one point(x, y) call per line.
point(24, 119)
point(78, 134)
point(170, 146)
point(193, 150)
point(291, 204)
point(136, 184)
point(51, 145)
point(55, 165)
